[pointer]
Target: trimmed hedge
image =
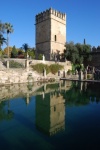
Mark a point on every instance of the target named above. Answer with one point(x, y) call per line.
point(40, 67)
point(54, 68)
point(14, 64)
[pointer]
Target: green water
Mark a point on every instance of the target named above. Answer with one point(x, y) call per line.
point(55, 116)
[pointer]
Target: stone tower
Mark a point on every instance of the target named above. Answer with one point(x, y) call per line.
point(50, 33)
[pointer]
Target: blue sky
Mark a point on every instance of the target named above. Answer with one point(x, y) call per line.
point(83, 19)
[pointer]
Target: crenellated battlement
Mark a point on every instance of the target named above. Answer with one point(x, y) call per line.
point(47, 14)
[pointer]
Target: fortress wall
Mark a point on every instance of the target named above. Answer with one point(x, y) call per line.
point(50, 32)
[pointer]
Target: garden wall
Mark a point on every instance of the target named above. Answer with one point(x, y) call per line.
point(27, 74)
point(67, 65)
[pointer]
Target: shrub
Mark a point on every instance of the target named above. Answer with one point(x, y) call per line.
point(40, 56)
point(89, 76)
point(69, 72)
point(31, 54)
point(40, 67)
point(54, 68)
point(51, 79)
point(14, 64)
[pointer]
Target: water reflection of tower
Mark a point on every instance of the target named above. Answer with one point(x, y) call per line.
point(50, 113)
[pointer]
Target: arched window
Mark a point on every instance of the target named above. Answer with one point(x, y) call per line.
point(54, 108)
point(55, 38)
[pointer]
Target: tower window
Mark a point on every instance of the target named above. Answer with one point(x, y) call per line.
point(54, 108)
point(55, 38)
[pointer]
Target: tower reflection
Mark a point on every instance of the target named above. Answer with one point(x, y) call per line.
point(50, 113)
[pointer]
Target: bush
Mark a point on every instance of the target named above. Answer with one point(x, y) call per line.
point(89, 76)
point(40, 67)
point(40, 56)
point(54, 68)
point(14, 64)
point(69, 72)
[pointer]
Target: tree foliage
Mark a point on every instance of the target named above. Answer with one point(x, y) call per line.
point(14, 52)
point(53, 68)
point(6, 51)
point(25, 47)
point(8, 29)
point(5, 28)
point(40, 56)
point(77, 53)
point(31, 53)
point(14, 64)
point(2, 40)
point(1, 27)
point(40, 67)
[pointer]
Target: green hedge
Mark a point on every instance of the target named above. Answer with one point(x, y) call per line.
point(54, 68)
point(40, 67)
point(14, 64)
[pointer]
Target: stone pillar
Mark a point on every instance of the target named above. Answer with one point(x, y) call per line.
point(85, 86)
point(26, 63)
point(80, 75)
point(76, 74)
point(7, 64)
point(60, 85)
point(27, 98)
point(43, 95)
point(59, 73)
point(30, 84)
point(85, 74)
point(30, 78)
point(44, 87)
point(64, 74)
point(64, 83)
point(93, 73)
point(43, 58)
point(87, 67)
point(81, 86)
point(44, 72)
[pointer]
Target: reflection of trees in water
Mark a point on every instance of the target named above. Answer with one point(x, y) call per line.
point(94, 91)
point(77, 96)
point(5, 114)
point(75, 93)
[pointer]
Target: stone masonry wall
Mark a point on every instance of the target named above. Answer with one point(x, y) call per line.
point(26, 75)
point(50, 32)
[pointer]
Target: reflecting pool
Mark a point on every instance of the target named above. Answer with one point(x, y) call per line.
point(53, 116)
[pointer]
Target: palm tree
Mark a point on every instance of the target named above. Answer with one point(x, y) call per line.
point(1, 27)
point(2, 40)
point(9, 29)
point(25, 46)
